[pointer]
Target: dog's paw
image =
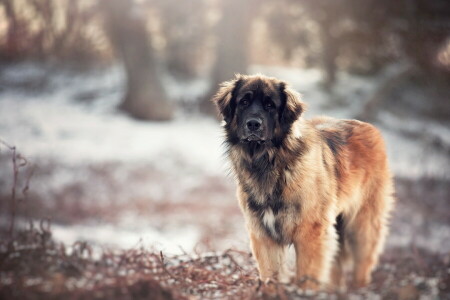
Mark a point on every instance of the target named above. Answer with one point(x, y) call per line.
point(309, 283)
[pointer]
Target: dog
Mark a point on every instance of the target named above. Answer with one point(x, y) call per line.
point(322, 185)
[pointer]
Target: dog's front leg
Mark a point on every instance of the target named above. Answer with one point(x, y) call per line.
point(315, 246)
point(269, 256)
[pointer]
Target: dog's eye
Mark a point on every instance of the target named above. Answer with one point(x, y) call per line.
point(268, 105)
point(244, 102)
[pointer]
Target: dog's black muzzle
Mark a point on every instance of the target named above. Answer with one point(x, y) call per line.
point(254, 130)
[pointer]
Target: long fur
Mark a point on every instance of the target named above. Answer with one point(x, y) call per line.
point(322, 185)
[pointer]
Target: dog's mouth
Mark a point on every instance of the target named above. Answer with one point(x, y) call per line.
point(253, 138)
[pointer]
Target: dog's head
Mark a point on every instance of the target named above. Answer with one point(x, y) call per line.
point(257, 110)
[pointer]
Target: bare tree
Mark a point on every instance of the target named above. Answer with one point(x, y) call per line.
point(233, 34)
point(12, 34)
point(185, 29)
point(59, 30)
point(145, 97)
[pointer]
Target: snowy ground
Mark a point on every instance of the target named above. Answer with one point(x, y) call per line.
point(115, 181)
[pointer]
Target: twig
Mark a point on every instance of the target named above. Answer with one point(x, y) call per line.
point(13, 188)
point(164, 265)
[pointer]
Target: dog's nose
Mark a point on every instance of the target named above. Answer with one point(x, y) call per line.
point(254, 124)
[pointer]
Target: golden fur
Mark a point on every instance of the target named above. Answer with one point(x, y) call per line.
point(321, 185)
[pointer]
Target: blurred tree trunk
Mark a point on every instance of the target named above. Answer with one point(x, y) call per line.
point(145, 97)
point(233, 34)
point(328, 15)
point(429, 27)
point(392, 77)
point(12, 36)
point(329, 53)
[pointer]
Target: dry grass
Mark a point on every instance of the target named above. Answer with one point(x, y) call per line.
point(33, 266)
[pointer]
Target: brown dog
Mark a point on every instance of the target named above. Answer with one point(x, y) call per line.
point(322, 185)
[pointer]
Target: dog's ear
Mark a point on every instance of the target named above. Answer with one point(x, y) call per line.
point(224, 96)
point(292, 106)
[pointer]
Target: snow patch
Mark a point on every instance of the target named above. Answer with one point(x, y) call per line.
point(171, 242)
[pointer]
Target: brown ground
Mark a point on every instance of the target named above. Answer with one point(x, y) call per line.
point(415, 264)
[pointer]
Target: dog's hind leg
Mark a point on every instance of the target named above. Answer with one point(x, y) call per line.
point(337, 274)
point(341, 258)
point(367, 234)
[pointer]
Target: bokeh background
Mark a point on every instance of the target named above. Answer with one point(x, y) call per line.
point(108, 105)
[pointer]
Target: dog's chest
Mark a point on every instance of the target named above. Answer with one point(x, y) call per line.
point(271, 224)
point(264, 183)
point(276, 223)
point(272, 214)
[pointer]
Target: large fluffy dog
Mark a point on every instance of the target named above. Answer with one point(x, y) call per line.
point(322, 185)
